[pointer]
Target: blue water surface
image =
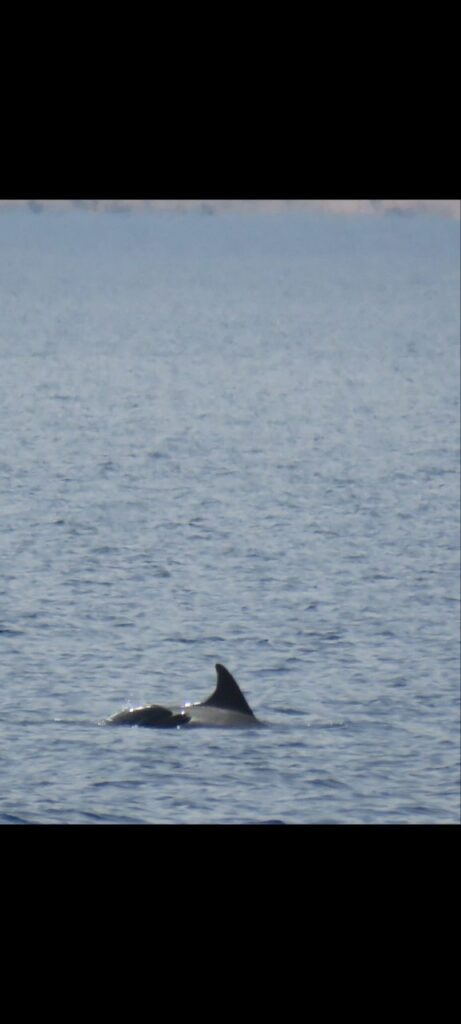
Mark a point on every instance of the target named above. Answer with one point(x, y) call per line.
point(234, 439)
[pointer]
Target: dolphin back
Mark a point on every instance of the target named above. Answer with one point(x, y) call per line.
point(152, 716)
point(225, 707)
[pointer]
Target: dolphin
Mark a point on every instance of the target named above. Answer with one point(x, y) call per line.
point(226, 707)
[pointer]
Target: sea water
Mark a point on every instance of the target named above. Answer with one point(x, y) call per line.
point(235, 439)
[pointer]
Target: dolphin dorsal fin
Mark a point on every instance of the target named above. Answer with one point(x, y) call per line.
point(228, 694)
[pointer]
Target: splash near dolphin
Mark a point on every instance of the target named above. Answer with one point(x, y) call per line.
point(227, 707)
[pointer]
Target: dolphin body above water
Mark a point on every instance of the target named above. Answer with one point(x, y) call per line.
point(226, 707)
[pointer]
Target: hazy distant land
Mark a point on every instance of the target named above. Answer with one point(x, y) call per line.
point(445, 207)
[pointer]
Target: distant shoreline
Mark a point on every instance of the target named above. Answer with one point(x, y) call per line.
point(208, 207)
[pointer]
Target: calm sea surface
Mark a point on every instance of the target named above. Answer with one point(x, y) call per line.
point(234, 439)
